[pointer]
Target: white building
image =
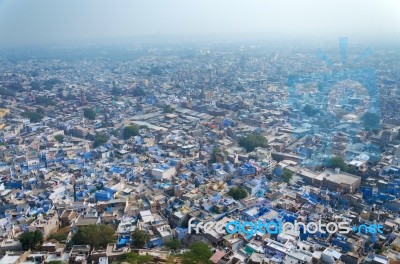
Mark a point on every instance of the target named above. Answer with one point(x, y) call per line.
point(163, 172)
point(330, 256)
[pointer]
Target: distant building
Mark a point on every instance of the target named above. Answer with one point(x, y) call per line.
point(332, 180)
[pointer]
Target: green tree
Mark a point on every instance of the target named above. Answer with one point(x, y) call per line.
point(156, 70)
point(371, 121)
point(70, 97)
point(240, 88)
point(35, 85)
point(168, 109)
point(130, 131)
point(309, 110)
point(138, 92)
point(35, 73)
point(44, 100)
point(59, 237)
point(6, 92)
point(237, 193)
point(215, 153)
point(173, 244)
point(252, 141)
point(134, 258)
point(139, 238)
point(116, 91)
point(286, 175)
point(31, 240)
point(89, 113)
point(337, 162)
point(199, 252)
point(94, 235)
point(49, 84)
point(17, 87)
point(40, 111)
point(34, 117)
point(59, 138)
point(99, 139)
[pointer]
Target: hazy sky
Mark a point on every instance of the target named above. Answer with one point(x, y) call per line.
point(29, 21)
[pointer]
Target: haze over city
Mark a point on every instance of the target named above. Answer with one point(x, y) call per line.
point(47, 21)
point(199, 132)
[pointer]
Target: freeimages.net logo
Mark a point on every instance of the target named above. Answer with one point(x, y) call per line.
point(249, 229)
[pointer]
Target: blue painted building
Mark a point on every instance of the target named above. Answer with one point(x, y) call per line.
point(247, 169)
point(102, 195)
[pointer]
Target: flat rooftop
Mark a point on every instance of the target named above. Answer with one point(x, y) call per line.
point(338, 177)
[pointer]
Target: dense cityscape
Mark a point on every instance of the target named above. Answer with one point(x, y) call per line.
point(199, 132)
point(137, 141)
